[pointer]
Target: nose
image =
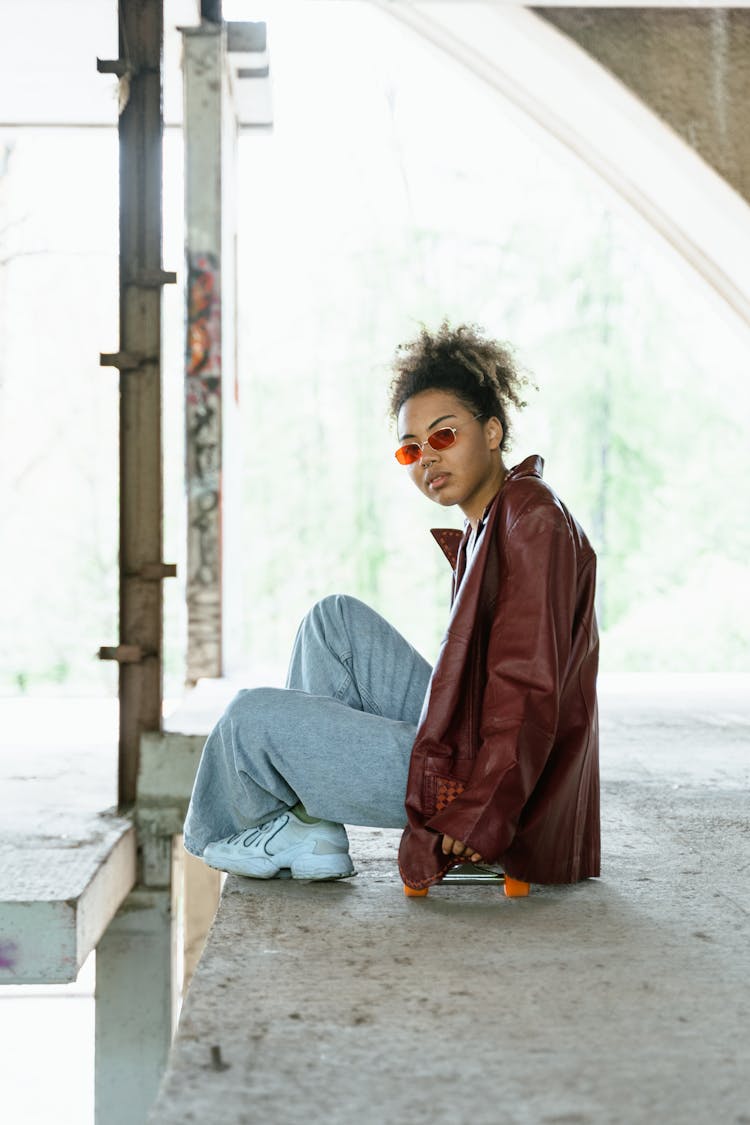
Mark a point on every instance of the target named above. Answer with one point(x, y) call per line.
point(428, 455)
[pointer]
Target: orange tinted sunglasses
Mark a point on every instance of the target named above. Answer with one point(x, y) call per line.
point(441, 439)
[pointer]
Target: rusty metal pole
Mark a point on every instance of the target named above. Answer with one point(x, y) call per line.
point(139, 652)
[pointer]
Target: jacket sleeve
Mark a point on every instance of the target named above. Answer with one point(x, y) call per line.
point(528, 651)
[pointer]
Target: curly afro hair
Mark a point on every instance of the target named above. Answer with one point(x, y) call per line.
point(482, 373)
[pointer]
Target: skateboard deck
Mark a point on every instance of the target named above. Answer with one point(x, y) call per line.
point(465, 873)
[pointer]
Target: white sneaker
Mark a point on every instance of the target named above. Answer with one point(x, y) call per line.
point(312, 851)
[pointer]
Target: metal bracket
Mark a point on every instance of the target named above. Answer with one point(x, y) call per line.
point(152, 279)
point(154, 572)
point(246, 37)
point(253, 72)
point(125, 73)
point(123, 654)
point(124, 361)
point(113, 66)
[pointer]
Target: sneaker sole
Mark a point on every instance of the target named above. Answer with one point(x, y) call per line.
point(311, 868)
point(319, 869)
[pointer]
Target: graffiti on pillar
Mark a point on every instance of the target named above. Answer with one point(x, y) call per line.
point(204, 316)
point(8, 954)
point(203, 453)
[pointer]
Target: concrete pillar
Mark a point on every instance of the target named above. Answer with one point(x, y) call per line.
point(226, 87)
point(210, 129)
point(134, 1007)
point(691, 66)
point(200, 892)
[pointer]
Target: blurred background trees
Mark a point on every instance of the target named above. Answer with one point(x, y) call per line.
point(413, 197)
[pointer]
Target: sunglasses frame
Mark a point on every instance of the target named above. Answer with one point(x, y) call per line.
point(428, 441)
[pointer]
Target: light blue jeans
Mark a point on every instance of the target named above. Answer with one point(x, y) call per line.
point(338, 737)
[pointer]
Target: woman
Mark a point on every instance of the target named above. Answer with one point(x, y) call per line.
point(493, 755)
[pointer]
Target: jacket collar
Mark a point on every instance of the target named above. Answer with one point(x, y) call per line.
point(449, 539)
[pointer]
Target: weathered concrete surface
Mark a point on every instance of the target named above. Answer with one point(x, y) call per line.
point(619, 1000)
point(65, 865)
point(691, 66)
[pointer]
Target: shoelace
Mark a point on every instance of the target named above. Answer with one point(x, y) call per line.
point(255, 834)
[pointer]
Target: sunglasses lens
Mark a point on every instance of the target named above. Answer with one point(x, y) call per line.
point(441, 439)
point(408, 454)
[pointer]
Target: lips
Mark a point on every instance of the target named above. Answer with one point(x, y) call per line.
point(436, 480)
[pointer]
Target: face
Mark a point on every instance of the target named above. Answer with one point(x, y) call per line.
point(467, 473)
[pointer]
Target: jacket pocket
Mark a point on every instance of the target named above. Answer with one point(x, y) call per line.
point(441, 786)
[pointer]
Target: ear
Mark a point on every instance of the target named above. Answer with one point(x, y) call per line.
point(494, 431)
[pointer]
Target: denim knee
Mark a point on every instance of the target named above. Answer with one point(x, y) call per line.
point(329, 606)
point(255, 701)
point(337, 606)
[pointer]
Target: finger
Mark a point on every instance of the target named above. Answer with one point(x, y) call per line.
point(458, 847)
point(448, 843)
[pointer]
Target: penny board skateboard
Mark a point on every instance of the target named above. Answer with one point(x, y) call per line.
point(476, 873)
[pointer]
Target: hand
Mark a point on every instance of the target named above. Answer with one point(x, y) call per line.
point(456, 847)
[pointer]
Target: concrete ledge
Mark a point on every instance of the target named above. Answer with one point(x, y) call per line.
point(619, 1000)
point(65, 865)
point(58, 894)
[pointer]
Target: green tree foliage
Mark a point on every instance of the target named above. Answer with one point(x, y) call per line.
point(625, 413)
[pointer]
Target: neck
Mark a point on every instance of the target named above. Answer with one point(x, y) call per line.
point(476, 510)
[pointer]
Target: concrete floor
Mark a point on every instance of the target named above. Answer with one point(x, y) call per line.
point(624, 999)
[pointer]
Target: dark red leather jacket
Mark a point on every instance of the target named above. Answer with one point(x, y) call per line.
point(506, 756)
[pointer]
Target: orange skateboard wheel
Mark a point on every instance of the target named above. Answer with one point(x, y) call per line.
point(411, 893)
point(515, 888)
